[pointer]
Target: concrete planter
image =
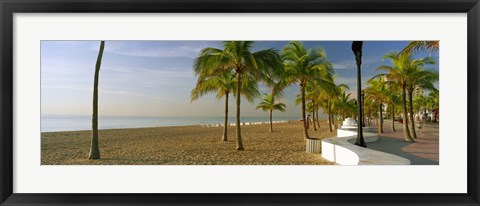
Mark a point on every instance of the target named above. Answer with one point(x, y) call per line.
point(314, 146)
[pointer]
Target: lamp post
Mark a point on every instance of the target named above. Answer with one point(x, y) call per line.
point(357, 50)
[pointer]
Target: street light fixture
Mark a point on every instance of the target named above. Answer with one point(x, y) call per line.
point(357, 50)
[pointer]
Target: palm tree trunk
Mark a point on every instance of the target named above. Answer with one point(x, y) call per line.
point(239, 132)
point(318, 118)
point(412, 118)
point(313, 116)
point(94, 151)
point(380, 124)
point(305, 131)
point(393, 118)
point(406, 132)
point(333, 119)
point(330, 117)
point(225, 122)
point(271, 125)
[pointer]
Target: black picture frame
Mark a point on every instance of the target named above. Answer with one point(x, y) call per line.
point(10, 7)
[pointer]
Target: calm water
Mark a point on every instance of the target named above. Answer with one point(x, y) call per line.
point(51, 123)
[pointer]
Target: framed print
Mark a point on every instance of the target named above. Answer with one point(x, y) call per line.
point(246, 103)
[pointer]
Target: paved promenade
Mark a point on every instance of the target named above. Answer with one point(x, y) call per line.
point(424, 152)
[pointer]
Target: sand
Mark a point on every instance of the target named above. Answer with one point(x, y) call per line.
point(185, 145)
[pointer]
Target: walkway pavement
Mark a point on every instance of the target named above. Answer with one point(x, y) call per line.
point(424, 152)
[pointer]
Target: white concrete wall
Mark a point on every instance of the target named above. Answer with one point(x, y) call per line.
point(341, 150)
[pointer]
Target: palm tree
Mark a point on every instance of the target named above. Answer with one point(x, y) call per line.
point(94, 151)
point(403, 67)
point(337, 92)
point(369, 108)
point(435, 96)
point(430, 101)
point(422, 102)
point(330, 95)
point(393, 100)
point(419, 78)
point(314, 94)
point(326, 93)
point(268, 104)
point(223, 84)
point(414, 46)
point(345, 105)
point(377, 91)
point(236, 56)
point(304, 65)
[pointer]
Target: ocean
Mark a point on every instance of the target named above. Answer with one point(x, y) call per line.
point(54, 123)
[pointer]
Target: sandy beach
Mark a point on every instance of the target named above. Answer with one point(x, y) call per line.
point(185, 145)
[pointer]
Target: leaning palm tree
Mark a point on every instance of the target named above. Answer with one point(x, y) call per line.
point(94, 151)
point(237, 56)
point(422, 79)
point(268, 104)
point(403, 67)
point(428, 46)
point(303, 65)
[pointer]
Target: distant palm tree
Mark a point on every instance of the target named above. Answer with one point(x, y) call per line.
point(428, 46)
point(426, 102)
point(237, 56)
point(314, 94)
point(268, 104)
point(403, 67)
point(393, 100)
point(223, 84)
point(345, 105)
point(435, 96)
point(370, 107)
point(422, 102)
point(94, 151)
point(302, 66)
point(327, 98)
point(339, 90)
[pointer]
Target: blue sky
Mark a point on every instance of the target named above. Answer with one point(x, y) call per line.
point(154, 78)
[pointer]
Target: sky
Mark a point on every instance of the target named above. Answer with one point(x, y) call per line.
point(155, 78)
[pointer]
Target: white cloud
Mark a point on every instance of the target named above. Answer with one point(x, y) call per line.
point(189, 51)
point(345, 64)
point(351, 63)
